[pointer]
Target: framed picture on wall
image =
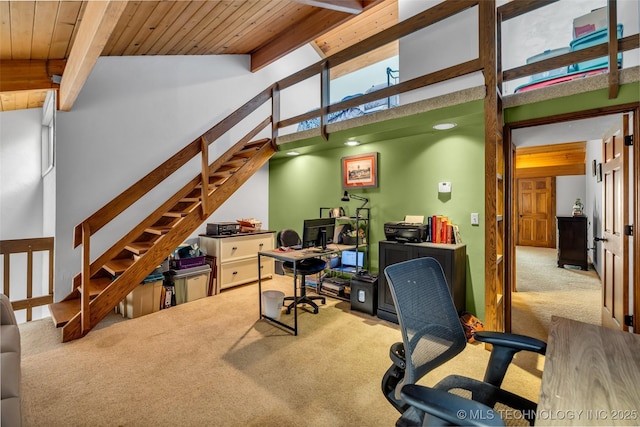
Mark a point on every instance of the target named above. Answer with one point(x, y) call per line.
point(599, 172)
point(594, 167)
point(360, 171)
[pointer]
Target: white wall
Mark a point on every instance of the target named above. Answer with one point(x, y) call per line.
point(21, 205)
point(135, 112)
point(422, 52)
point(20, 174)
point(131, 115)
point(568, 189)
point(593, 204)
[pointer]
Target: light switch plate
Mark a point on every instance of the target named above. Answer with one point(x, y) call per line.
point(475, 219)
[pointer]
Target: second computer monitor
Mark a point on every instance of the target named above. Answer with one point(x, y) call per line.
point(318, 232)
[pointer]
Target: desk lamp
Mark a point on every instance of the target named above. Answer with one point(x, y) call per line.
point(346, 196)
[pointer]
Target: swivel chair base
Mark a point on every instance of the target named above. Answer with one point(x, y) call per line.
point(306, 267)
point(305, 299)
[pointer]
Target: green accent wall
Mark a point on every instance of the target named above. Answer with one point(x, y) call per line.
point(409, 169)
point(412, 159)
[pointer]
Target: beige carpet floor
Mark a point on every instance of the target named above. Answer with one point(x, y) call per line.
point(211, 362)
point(544, 290)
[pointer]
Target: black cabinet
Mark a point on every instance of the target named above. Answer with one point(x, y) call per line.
point(453, 259)
point(572, 241)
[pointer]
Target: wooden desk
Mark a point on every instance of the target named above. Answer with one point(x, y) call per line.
point(294, 256)
point(591, 376)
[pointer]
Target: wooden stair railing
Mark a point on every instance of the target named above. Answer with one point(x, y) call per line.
point(103, 283)
point(28, 247)
point(160, 229)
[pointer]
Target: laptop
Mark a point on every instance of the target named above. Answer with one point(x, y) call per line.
point(349, 260)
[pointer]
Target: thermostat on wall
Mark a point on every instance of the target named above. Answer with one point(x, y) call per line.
point(444, 187)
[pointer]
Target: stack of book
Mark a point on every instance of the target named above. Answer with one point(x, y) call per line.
point(441, 230)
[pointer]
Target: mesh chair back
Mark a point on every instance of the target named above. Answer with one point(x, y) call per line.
point(288, 238)
point(431, 330)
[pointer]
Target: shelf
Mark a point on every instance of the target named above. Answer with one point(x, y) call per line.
point(499, 259)
point(499, 176)
point(499, 218)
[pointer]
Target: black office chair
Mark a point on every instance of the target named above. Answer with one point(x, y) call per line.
point(432, 334)
point(288, 238)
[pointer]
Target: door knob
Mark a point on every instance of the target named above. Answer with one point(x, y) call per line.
point(599, 239)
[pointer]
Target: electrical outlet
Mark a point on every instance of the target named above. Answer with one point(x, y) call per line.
point(475, 219)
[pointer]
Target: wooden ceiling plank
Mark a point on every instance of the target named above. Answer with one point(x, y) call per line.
point(297, 35)
point(43, 27)
point(186, 33)
point(22, 14)
point(65, 24)
point(148, 27)
point(98, 21)
point(257, 30)
point(177, 9)
point(8, 101)
point(170, 36)
point(5, 31)
point(121, 26)
point(218, 19)
point(353, 7)
point(126, 35)
point(269, 22)
point(35, 98)
point(243, 22)
point(74, 33)
point(22, 100)
point(567, 146)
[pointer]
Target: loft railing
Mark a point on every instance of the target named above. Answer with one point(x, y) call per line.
point(28, 247)
point(449, 8)
point(611, 48)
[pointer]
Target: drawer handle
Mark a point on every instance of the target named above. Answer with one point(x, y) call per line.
point(261, 244)
point(234, 248)
point(235, 272)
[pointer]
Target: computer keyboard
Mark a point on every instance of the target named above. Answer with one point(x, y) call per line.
point(318, 250)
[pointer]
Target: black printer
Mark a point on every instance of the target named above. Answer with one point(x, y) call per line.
point(405, 232)
point(222, 228)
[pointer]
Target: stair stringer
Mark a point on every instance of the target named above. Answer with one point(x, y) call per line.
point(102, 304)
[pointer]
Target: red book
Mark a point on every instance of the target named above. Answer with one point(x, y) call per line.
point(434, 228)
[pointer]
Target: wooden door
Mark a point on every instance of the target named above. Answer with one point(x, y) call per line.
point(536, 212)
point(615, 271)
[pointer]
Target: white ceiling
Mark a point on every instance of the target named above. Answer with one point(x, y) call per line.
point(558, 133)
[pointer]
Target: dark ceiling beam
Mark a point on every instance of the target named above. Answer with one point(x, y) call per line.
point(348, 6)
point(29, 74)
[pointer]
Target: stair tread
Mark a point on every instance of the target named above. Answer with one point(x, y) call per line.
point(176, 214)
point(63, 311)
point(160, 229)
point(118, 266)
point(139, 248)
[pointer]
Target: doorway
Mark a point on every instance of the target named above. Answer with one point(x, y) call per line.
point(540, 288)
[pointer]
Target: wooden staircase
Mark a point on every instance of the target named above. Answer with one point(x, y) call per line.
point(128, 262)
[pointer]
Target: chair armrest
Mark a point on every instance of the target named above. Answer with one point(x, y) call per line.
point(504, 347)
point(514, 341)
point(449, 407)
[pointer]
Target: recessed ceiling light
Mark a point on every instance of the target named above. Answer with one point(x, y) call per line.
point(293, 153)
point(352, 143)
point(444, 126)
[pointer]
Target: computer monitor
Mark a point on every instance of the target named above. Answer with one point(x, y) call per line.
point(318, 232)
